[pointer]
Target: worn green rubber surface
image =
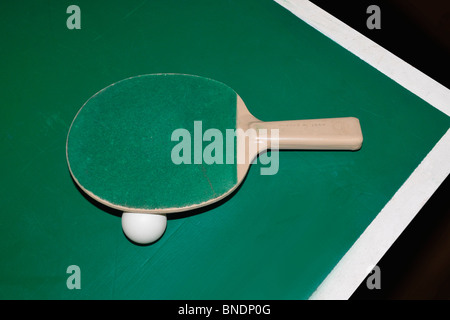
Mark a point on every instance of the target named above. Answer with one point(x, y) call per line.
point(126, 143)
point(278, 236)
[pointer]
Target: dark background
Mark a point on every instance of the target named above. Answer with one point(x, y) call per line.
point(417, 266)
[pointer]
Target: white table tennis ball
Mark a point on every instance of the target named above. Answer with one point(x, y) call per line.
point(143, 228)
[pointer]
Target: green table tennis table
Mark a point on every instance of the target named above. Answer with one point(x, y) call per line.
point(312, 231)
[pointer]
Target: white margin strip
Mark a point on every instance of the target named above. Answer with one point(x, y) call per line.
point(395, 68)
point(374, 242)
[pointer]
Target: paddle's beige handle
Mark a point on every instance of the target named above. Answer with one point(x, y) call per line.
point(318, 134)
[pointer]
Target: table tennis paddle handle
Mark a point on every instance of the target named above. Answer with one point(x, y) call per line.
point(318, 134)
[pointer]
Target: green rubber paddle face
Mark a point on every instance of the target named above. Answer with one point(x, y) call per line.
point(141, 144)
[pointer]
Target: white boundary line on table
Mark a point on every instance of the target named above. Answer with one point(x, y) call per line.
point(374, 242)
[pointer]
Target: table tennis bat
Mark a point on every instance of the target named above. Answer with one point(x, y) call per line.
point(128, 146)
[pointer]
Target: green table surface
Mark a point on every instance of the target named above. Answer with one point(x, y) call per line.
point(278, 236)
